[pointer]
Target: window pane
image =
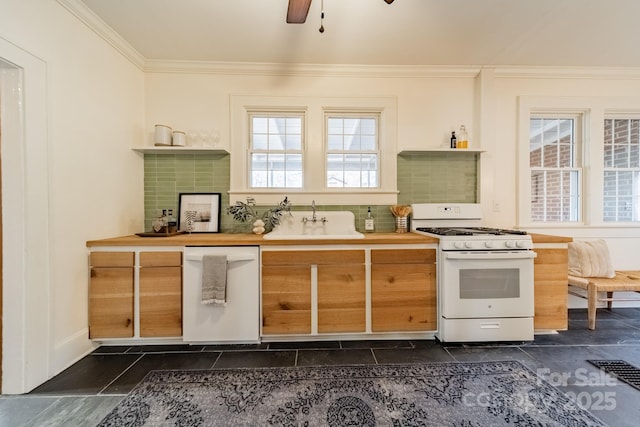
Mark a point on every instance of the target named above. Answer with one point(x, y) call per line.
point(335, 142)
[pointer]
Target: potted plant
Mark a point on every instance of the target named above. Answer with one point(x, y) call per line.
point(246, 212)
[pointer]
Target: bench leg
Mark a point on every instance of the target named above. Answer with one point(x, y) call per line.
point(609, 302)
point(592, 299)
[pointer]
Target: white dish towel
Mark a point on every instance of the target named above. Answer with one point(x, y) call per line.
point(214, 279)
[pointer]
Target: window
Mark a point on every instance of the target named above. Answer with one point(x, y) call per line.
point(555, 168)
point(275, 154)
point(582, 166)
point(331, 150)
point(352, 151)
point(621, 169)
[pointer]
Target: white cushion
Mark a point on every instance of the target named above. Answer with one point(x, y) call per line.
point(590, 258)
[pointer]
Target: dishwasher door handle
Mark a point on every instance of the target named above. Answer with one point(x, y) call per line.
point(235, 258)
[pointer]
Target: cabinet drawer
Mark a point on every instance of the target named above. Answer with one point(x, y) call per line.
point(313, 257)
point(403, 256)
point(111, 259)
point(160, 259)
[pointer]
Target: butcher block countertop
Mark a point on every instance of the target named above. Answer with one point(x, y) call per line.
point(245, 239)
point(546, 238)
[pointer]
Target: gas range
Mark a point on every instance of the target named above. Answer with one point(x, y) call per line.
point(485, 275)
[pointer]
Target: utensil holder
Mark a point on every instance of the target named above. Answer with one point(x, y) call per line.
point(401, 224)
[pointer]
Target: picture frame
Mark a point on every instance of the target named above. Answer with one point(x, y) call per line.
point(207, 212)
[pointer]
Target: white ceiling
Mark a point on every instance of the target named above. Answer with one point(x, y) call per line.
point(570, 33)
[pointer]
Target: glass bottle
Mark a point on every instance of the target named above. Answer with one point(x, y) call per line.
point(453, 140)
point(171, 222)
point(463, 141)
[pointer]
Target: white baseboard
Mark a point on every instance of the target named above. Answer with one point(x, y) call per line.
point(70, 350)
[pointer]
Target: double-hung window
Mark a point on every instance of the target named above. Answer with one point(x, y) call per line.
point(275, 153)
point(555, 168)
point(331, 150)
point(621, 180)
point(352, 151)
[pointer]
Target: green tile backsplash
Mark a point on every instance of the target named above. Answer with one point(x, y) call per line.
point(422, 178)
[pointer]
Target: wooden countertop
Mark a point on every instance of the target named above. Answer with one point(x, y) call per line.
point(546, 238)
point(245, 239)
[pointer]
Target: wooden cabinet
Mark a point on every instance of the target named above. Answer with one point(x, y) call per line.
point(403, 290)
point(135, 294)
point(321, 291)
point(160, 294)
point(111, 294)
point(550, 288)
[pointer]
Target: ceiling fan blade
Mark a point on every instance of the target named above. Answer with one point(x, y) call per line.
point(297, 11)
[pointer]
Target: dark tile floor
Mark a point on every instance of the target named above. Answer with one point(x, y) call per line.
point(88, 390)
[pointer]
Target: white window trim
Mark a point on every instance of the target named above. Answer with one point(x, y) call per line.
point(314, 149)
point(593, 110)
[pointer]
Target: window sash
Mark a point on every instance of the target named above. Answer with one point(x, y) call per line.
point(276, 150)
point(555, 173)
point(352, 147)
point(621, 170)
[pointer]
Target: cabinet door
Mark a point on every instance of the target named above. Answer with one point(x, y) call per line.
point(550, 289)
point(341, 298)
point(161, 294)
point(403, 290)
point(160, 301)
point(111, 302)
point(286, 299)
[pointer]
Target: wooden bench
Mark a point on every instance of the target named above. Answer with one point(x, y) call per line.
point(623, 281)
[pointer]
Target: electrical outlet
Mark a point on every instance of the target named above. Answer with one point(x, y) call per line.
point(497, 207)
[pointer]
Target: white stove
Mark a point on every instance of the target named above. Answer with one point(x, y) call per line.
point(485, 275)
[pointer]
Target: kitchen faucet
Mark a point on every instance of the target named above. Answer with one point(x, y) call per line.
point(313, 218)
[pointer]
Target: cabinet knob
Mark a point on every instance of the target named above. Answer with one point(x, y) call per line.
point(128, 322)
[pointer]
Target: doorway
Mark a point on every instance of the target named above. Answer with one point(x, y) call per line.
point(24, 235)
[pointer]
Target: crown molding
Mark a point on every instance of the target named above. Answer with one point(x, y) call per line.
point(314, 70)
point(548, 72)
point(102, 29)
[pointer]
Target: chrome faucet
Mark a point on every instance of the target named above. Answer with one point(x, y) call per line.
point(314, 218)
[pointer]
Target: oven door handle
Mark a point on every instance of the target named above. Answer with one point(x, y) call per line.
point(491, 255)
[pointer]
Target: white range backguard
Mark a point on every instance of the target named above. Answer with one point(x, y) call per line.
point(239, 320)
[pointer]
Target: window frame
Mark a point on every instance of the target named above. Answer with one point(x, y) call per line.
point(314, 149)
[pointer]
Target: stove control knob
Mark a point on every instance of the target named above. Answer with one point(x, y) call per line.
point(488, 244)
point(468, 245)
point(510, 244)
point(521, 244)
point(458, 245)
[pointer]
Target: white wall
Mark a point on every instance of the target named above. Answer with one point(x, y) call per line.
point(94, 106)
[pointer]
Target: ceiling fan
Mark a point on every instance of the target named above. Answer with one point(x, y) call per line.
point(299, 9)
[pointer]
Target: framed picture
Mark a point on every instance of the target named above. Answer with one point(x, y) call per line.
point(199, 212)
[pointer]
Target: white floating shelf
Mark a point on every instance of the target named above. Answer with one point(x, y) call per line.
point(442, 150)
point(179, 150)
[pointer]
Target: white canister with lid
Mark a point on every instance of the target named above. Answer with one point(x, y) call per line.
point(179, 138)
point(162, 135)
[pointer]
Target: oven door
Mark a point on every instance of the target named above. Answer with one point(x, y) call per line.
point(485, 284)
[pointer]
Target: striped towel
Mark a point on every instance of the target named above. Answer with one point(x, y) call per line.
point(214, 279)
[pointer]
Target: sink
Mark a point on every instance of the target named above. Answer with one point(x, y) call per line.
point(328, 225)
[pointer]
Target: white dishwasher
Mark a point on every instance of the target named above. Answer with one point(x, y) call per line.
point(238, 320)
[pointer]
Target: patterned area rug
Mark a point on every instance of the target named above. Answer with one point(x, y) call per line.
point(454, 394)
